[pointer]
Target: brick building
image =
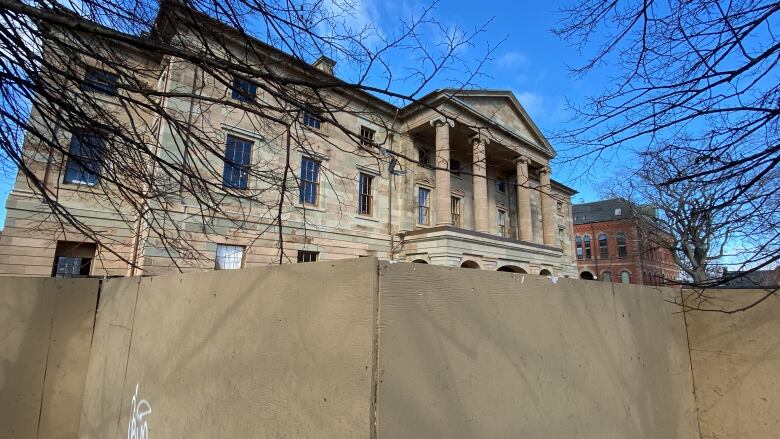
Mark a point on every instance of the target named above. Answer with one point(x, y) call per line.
point(610, 246)
point(481, 218)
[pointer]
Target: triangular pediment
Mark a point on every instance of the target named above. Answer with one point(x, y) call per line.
point(503, 109)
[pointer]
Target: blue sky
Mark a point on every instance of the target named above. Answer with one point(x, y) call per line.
point(530, 61)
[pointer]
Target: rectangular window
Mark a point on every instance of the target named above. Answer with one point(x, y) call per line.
point(365, 192)
point(424, 157)
point(311, 121)
point(71, 267)
point(238, 154)
point(310, 182)
point(423, 206)
point(367, 136)
point(455, 210)
point(307, 256)
point(229, 257)
point(100, 81)
point(85, 156)
point(500, 185)
point(502, 222)
point(243, 90)
point(73, 259)
point(455, 167)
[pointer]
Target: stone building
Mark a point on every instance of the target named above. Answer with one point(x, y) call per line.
point(474, 215)
point(611, 246)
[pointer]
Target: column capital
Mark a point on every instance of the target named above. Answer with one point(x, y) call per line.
point(545, 170)
point(478, 138)
point(441, 121)
point(522, 159)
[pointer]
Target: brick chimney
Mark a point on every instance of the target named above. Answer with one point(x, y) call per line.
point(325, 64)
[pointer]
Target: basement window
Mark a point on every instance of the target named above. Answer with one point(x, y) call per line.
point(229, 257)
point(73, 259)
point(307, 256)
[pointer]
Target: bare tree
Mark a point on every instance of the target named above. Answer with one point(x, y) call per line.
point(156, 74)
point(695, 85)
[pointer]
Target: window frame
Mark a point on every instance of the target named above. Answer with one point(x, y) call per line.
point(622, 249)
point(500, 185)
point(578, 247)
point(423, 208)
point(366, 194)
point(501, 220)
point(101, 81)
point(367, 136)
point(603, 245)
point(78, 163)
point(243, 169)
point(225, 256)
point(456, 210)
point(303, 255)
point(627, 279)
point(424, 157)
point(587, 247)
point(303, 182)
point(310, 119)
point(243, 94)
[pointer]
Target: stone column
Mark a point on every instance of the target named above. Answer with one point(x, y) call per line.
point(443, 192)
point(548, 213)
point(525, 230)
point(479, 179)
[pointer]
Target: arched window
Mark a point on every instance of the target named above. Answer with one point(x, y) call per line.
point(588, 252)
point(603, 251)
point(625, 277)
point(578, 245)
point(621, 245)
point(606, 276)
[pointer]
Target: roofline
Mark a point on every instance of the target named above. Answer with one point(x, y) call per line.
point(176, 7)
point(562, 187)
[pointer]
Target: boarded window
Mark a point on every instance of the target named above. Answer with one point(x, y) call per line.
point(229, 257)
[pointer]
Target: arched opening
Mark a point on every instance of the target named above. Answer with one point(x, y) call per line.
point(545, 272)
point(586, 275)
point(625, 277)
point(511, 269)
point(606, 276)
point(419, 261)
point(469, 264)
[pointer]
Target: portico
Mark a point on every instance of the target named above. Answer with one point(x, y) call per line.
point(492, 201)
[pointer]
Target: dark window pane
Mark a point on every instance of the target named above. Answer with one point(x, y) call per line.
point(365, 194)
point(307, 256)
point(603, 250)
point(309, 190)
point(84, 163)
point(72, 267)
point(100, 81)
point(238, 154)
point(366, 136)
point(243, 90)
point(311, 120)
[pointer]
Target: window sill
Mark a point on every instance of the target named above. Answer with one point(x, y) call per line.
point(367, 218)
point(308, 207)
point(320, 132)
